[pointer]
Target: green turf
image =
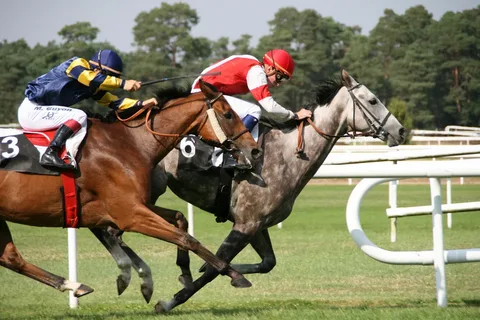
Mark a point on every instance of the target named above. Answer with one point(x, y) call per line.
point(320, 273)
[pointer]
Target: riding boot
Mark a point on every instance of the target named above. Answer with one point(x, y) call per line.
point(228, 161)
point(51, 158)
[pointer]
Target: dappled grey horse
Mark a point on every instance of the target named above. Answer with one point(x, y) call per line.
point(259, 203)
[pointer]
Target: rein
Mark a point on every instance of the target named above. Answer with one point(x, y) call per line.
point(209, 115)
point(374, 130)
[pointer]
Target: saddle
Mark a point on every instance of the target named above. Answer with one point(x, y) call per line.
point(196, 155)
point(20, 151)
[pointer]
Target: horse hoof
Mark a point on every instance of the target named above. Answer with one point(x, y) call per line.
point(121, 285)
point(83, 290)
point(203, 268)
point(241, 282)
point(161, 307)
point(186, 281)
point(147, 292)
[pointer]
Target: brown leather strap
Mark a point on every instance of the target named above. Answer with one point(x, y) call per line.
point(300, 144)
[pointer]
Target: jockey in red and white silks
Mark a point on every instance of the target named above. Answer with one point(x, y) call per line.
point(240, 74)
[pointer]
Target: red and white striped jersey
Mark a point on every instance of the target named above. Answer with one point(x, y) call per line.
point(240, 74)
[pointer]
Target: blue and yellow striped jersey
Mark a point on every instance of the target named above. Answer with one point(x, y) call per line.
point(73, 81)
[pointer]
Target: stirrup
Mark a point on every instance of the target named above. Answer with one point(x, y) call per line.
point(70, 158)
point(232, 164)
point(52, 160)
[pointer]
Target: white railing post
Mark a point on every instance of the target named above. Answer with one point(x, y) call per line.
point(449, 201)
point(190, 219)
point(72, 264)
point(392, 201)
point(438, 254)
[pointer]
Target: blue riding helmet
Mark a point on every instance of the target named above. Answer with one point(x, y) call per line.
point(108, 61)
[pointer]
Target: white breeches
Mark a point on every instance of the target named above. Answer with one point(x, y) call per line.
point(34, 117)
point(244, 108)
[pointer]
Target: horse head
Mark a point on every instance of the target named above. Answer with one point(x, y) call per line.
point(369, 115)
point(225, 129)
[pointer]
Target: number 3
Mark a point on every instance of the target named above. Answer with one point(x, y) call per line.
point(11, 144)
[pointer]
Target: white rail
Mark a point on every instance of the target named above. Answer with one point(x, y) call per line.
point(438, 256)
point(424, 210)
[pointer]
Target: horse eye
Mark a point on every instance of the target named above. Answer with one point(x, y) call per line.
point(228, 115)
point(373, 101)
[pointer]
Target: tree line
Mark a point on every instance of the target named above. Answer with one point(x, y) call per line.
point(425, 71)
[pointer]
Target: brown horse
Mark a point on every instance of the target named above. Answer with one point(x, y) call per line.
point(116, 162)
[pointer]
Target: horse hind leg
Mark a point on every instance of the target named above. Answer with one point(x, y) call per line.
point(183, 259)
point(262, 244)
point(122, 260)
point(152, 224)
point(142, 269)
point(10, 258)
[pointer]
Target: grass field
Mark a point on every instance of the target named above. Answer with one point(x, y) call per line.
point(320, 273)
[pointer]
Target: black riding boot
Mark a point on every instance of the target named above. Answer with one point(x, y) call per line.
point(228, 161)
point(51, 158)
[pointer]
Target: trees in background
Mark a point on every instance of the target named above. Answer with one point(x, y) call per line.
point(426, 70)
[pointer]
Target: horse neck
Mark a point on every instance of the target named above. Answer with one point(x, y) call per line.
point(178, 118)
point(331, 119)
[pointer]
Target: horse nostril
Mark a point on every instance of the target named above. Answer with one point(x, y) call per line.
point(401, 131)
point(256, 153)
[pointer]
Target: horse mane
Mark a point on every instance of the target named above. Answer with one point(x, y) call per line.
point(163, 95)
point(323, 94)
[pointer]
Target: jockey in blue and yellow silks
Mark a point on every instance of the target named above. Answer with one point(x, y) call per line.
point(49, 97)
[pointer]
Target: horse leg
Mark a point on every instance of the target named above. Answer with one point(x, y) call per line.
point(262, 244)
point(235, 242)
point(121, 258)
point(10, 258)
point(125, 257)
point(183, 259)
point(148, 223)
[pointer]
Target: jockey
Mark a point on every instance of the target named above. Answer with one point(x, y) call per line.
point(49, 97)
point(240, 74)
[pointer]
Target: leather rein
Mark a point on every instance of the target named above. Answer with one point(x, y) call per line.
point(374, 129)
point(223, 144)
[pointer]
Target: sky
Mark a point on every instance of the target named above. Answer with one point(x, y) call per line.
point(38, 21)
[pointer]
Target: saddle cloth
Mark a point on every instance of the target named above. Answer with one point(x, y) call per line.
point(21, 150)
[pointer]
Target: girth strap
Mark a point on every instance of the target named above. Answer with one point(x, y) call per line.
point(71, 207)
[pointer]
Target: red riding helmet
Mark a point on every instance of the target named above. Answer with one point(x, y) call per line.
point(280, 60)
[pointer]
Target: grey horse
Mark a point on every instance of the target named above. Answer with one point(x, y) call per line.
point(262, 199)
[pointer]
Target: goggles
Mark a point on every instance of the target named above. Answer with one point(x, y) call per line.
point(280, 76)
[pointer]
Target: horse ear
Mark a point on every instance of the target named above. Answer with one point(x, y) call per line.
point(347, 80)
point(207, 89)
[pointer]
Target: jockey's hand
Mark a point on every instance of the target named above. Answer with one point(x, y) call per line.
point(150, 103)
point(302, 114)
point(132, 85)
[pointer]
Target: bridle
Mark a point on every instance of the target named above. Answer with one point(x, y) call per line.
point(223, 141)
point(377, 127)
point(371, 119)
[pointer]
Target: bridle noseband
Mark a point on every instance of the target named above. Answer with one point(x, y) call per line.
point(371, 120)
